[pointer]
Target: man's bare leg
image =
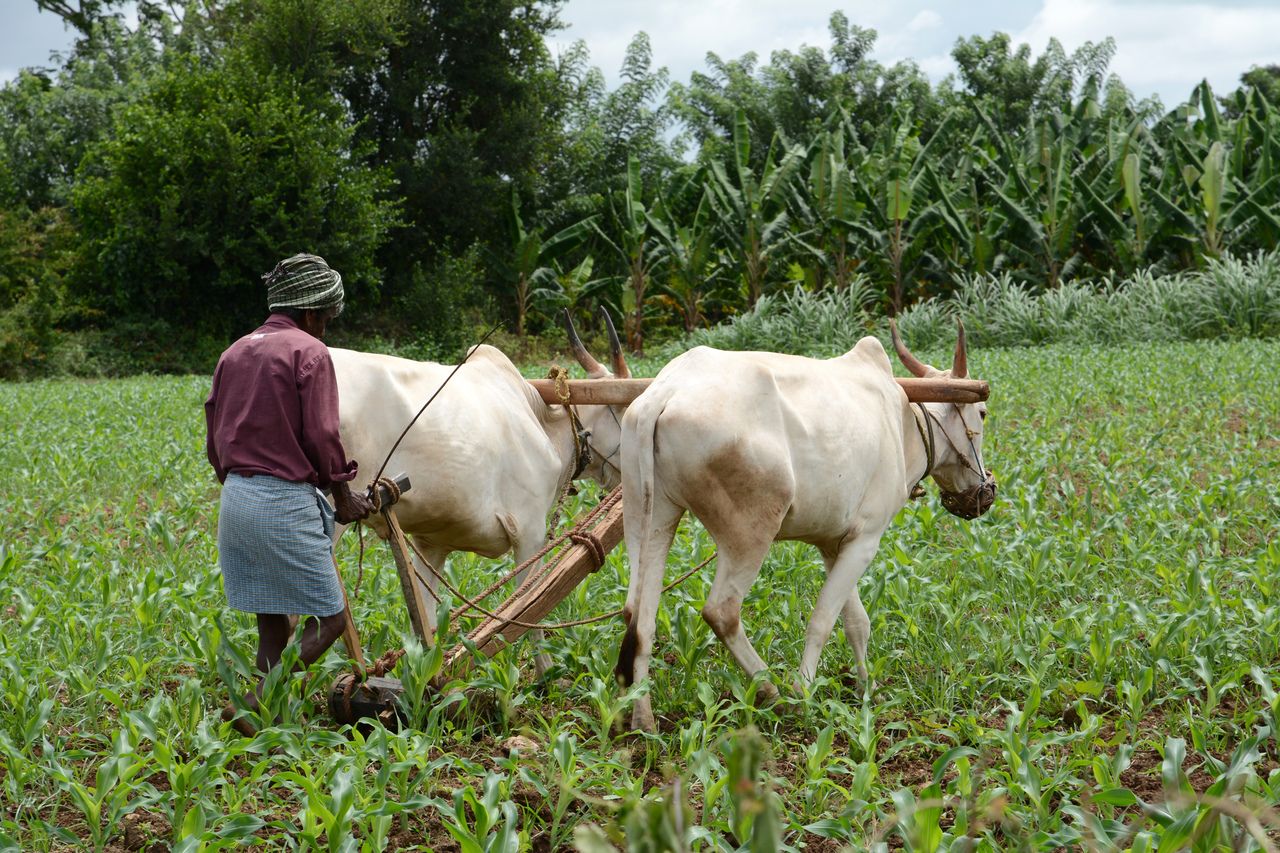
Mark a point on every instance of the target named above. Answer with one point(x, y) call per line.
point(274, 633)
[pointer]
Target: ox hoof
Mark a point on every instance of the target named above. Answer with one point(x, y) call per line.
point(240, 724)
point(767, 694)
point(542, 664)
point(644, 723)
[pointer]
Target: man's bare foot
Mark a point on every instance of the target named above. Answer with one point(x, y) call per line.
point(242, 725)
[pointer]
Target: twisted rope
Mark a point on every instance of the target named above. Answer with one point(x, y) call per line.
point(592, 543)
point(375, 497)
point(609, 501)
point(473, 604)
point(380, 667)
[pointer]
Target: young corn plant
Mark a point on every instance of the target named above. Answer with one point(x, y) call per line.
point(113, 793)
point(483, 823)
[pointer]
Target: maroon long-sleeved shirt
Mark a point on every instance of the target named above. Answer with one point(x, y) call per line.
point(274, 408)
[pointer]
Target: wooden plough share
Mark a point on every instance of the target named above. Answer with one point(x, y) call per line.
point(376, 695)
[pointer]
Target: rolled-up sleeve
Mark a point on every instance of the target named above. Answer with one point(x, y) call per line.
point(318, 395)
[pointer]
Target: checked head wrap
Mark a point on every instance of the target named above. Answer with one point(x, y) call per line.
point(303, 281)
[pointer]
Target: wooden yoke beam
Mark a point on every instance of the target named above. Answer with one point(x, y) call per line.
point(622, 392)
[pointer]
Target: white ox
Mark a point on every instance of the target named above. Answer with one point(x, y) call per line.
point(487, 460)
point(763, 447)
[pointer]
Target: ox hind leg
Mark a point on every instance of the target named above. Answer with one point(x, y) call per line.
point(648, 547)
point(523, 551)
point(738, 565)
point(840, 591)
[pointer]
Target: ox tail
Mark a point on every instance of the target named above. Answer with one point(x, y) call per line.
point(639, 448)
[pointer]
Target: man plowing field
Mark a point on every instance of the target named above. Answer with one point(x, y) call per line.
point(272, 420)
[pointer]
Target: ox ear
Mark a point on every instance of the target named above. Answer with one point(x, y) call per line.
point(909, 361)
point(595, 370)
point(960, 364)
point(620, 369)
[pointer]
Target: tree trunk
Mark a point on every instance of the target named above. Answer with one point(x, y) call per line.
point(755, 272)
point(522, 304)
point(635, 335)
point(895, 257)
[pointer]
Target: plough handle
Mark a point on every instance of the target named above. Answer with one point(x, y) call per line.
point(384, 494)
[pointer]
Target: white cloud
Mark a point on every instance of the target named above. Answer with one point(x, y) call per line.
point(1164, 46)
point(682, 34)
point(937, 66)
point(925, 19)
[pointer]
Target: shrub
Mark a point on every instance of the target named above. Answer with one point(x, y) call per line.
point(33, 259)
point(1230, 298)
point(212, 177)
point(824, 323)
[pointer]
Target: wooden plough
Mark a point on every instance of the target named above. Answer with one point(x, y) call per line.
point(368, 692)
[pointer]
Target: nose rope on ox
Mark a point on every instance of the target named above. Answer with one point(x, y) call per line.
point(917, 491)
point(972, 502)
point(605, 458)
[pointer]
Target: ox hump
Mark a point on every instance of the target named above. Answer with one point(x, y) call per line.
point(871, 351)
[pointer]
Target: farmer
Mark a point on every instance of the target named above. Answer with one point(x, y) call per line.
point(272, 420)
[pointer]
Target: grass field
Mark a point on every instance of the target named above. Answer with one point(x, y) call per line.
point(1095, 663)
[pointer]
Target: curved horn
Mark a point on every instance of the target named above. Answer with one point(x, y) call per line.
point(959, 364)
point(909, 361)
point(595, 369)
point(620, 369)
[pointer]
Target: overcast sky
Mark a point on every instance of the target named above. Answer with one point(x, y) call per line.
point(1164, 46)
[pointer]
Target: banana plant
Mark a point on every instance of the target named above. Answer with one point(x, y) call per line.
point(900, 219)
point(531, 255)
point(566, 287)
point(1215, 195)
point(1116, 217)
point(1037, 189)
point(689, 257)
point(828, 206)
point(633, 244)
point(751, 208)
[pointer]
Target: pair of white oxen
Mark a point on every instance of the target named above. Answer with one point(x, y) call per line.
point(758, 446)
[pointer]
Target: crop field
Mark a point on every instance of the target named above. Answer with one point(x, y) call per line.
point(1095, 664)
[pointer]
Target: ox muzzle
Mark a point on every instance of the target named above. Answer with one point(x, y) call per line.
point(973, 502)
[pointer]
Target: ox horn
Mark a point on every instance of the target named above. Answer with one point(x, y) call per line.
point(620, 369)
point(909, 361)
point(959, 364)
point(595, 369)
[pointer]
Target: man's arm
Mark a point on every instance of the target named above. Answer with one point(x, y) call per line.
point(349, 506)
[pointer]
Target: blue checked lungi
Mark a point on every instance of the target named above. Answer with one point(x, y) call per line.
point(275, 548)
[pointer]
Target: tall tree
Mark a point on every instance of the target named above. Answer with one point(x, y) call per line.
point(463, 108)
point(207, 181)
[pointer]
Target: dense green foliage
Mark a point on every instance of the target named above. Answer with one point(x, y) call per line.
point(161, 239)
point(1106, 637)
point(149, 178)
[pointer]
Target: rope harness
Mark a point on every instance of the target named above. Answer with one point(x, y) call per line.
point(972, 502)
point(917, 491)
point(375, 496)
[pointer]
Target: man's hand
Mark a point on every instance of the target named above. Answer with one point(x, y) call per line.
point(348, 506)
